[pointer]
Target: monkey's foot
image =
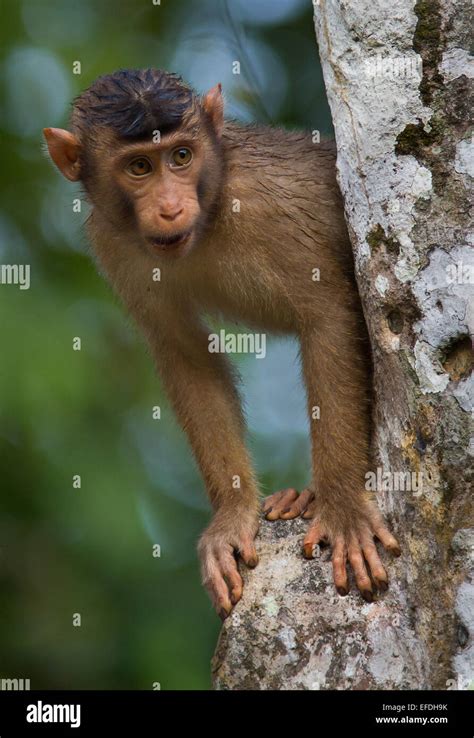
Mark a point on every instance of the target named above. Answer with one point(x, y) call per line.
point(288, 504)
point(356, 544)
point(220, 546)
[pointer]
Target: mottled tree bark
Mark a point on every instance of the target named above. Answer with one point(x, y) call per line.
point(398, 78)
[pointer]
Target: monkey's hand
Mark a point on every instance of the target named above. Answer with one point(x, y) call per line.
point(229, 536)
point(352, 537)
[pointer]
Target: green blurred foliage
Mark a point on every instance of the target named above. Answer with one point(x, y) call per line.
point(64, 412)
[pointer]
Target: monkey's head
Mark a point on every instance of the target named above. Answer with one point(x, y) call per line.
point(147, 150)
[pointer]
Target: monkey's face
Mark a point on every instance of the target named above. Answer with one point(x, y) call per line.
point(165, 186)
point(159, 194)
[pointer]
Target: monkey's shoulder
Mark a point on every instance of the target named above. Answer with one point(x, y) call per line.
point(254, 140)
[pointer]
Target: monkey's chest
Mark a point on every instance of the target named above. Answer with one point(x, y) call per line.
point(247, 300)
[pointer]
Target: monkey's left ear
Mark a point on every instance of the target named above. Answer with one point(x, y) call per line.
point(213, 105)
point(64, 150)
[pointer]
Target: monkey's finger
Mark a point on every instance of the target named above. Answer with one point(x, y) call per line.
point(360, 572)
point(310, 511)
point(233, 579)
point(248, 553)
point(298, 506)
point(339, 566)
point(217, 588)
point(287, 497)
point(379, 575)
point(269, 501)
point(380, 531)
point(315, 535)
point(388, 541)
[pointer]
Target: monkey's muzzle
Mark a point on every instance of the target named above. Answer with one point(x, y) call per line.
point(169, 243)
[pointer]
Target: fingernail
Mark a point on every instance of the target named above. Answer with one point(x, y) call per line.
point(342, 591)
point(367, 595)
point(223, 614)
point(252, 563)
point(397, 551)
point(269, 510)
point(308, 551)
point(286, 510)
point(383, 586)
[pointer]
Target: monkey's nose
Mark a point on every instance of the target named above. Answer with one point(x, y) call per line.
point(170, 215)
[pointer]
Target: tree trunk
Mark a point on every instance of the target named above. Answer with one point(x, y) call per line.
point(397, 77)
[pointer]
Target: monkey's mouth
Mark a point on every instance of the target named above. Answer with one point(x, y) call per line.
point(168, 243)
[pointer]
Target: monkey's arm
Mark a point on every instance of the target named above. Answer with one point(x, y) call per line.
point(338, 381)
point(201, 389)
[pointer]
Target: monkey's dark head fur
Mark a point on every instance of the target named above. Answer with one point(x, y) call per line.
point(134, 103)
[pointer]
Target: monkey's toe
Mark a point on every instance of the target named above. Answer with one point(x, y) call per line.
point(287, 504)
point(357, 549)
point(222, 581)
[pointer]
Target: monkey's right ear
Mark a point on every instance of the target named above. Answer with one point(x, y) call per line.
point(213, 105)
point(64, 151)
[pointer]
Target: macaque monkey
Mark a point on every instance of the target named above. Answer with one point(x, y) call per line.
point(244, 222)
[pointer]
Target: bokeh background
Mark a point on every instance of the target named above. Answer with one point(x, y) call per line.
point(65, 550)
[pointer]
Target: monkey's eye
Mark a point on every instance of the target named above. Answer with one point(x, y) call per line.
point(181, 157)
point(139, 167)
